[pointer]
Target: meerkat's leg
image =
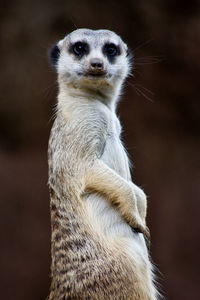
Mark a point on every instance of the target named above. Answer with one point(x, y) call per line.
point(129, 199)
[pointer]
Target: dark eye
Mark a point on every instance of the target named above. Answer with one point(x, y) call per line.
point(80, 48)
point(111, 50)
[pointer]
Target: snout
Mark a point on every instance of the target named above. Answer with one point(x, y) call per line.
point(96, 67)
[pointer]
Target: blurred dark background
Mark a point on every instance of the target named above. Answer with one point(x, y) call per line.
point(160, 113)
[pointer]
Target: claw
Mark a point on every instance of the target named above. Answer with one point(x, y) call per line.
point(145, 231)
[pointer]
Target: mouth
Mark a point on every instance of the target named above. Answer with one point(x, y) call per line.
point(93, 75)
point(96, 74)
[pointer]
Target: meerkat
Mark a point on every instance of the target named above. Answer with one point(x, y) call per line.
point(97, 213)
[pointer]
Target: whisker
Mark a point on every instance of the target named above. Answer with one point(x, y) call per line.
point(141, 91)
point(145, 89)
point(49, 90)
point(147, 60)
point(54, 114)
point(142, 45)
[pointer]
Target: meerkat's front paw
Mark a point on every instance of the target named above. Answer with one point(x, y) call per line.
point(135, 221)
point(141, 201)
point(137, 216)
point(128, 206)
point(138, 225)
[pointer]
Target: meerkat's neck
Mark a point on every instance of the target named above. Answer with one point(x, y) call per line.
point(108, 94)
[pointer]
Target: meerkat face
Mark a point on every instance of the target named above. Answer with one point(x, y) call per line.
point(95, 58)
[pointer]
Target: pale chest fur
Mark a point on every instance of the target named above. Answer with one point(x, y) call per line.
point(114, 154)
point(97, 129)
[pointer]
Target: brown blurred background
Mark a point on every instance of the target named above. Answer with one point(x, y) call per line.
point(161, 132)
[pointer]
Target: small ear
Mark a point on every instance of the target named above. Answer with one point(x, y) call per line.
point(54, 54)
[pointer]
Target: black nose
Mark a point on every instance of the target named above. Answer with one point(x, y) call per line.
point(96, 64)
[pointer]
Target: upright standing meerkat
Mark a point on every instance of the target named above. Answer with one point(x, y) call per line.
point(97, 213)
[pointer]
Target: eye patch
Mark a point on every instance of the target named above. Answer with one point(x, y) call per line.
point(79, 49)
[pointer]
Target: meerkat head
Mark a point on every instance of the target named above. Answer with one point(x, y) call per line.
point(92, 59)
